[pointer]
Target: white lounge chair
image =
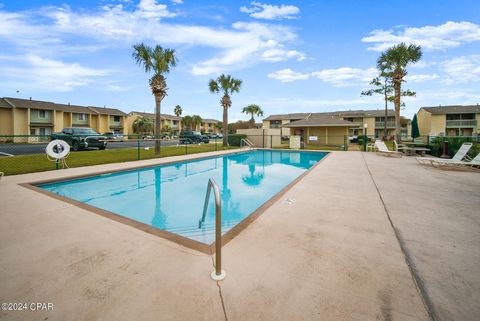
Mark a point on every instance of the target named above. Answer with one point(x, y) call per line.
point(449, 164)
point(458, 157)
point(383, 150)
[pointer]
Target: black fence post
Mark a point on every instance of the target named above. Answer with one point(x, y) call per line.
point(271, 141)
point(138, 147)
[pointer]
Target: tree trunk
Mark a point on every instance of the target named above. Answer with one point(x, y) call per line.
point(386, 112)
point(225, 126)
point(397, 87)
point(158, 124)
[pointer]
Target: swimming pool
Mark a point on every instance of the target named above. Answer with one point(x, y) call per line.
point(170, 197)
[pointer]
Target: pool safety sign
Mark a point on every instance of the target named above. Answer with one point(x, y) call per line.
point(295, 142)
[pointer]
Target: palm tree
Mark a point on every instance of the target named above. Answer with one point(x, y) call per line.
point(253, 110)
point(227, 85)
point(177, 110)
point(187, 122)
point(196, 121)
point(394, 61)
point(142, 124)
point(158, 60)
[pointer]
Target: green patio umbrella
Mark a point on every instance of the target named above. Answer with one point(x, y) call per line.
point(415, 130)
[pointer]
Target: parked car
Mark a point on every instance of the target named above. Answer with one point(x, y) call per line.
point(192, 137)
point(81, 137)
point(353, 138)
point(114, 136)
point(216, 136)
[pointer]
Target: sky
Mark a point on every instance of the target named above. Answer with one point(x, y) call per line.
point(292, 56)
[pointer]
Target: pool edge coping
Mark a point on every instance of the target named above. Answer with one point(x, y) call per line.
point(176, 238)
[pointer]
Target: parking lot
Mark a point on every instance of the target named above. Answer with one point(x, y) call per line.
point(17, 149)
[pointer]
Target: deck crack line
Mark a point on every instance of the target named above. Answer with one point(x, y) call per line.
point(220, 293)
point(427, 302)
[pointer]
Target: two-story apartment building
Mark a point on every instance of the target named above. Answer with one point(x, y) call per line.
point(35, 117)
point(373, 119)
point(173, 122)
point(455, 120)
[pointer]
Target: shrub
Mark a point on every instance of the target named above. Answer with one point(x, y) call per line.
point(234, 139)
point(454, 143)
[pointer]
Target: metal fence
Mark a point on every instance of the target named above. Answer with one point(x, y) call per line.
point(434, 144)
point(26, 153)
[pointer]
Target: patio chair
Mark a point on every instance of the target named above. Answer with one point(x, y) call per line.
point(458, 157)
point(383, 150)
point(399, 147)
point(371, 147)
point(449, 164)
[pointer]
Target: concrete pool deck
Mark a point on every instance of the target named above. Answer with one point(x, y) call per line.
point(333, 253)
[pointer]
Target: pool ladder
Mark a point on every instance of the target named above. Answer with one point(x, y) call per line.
point(246, 142)
point(218, 274)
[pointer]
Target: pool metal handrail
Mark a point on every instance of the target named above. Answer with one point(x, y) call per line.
point(246, 142)
point(218, 274)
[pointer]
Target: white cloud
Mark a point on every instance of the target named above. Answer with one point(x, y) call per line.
point(240, 45)
point(277, 54)
point(151, 9)
point(271, 12)
point(288, 75)
point(177, 1)
point(48, 74)
point(346, 76)
point(462, 69)
point(448, 35)
point(340, 77)
point(421, 77)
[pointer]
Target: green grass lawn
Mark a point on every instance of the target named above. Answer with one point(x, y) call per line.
point(39, 163)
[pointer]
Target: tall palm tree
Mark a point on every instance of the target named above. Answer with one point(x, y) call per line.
point(394, 61)
point(142, 124)
point(177, 110)
point(253, 110)
point(159, 61)
point(196, 121)
point(227, 85)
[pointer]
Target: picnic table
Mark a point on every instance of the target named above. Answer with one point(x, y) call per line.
point(412, 151)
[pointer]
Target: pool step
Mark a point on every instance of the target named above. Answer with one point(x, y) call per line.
point(207, 229)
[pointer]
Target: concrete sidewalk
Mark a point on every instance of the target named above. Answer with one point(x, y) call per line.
point(437, 215)
point(329, 255)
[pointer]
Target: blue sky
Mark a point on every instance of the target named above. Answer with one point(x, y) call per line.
point(297, 56)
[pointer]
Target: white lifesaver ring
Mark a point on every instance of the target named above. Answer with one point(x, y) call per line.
point(58, 149)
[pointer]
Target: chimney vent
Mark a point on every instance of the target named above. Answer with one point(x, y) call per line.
point(68, 103)
point(30, 98)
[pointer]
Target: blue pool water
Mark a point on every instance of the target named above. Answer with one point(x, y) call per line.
point(171, 197)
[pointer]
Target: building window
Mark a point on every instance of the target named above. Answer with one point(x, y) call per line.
point(116, 119)
point(42, 114)
point(82, 116)
point(275, 124)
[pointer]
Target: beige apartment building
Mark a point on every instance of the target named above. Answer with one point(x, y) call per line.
point(455, 120)
point(35, 117)
point(358, 119)
point(173, 122)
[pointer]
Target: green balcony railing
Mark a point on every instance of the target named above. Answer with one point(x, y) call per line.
point(462, 123)
point(381, 124)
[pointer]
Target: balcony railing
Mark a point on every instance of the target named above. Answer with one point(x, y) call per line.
point(275, 125)
point(462, 123)
point(381, 124)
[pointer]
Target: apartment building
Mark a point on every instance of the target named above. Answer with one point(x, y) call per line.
point(173, 122)
point(373, 119)
point(35, 117)
point(457, 120)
